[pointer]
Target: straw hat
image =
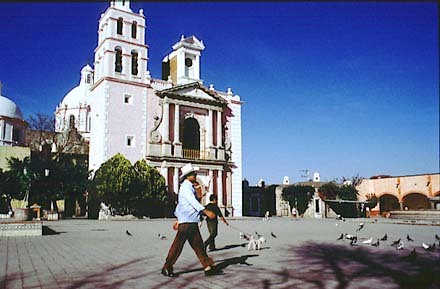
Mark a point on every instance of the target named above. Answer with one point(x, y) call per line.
point(187, 169)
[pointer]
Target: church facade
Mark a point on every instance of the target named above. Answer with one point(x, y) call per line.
point(120, 108)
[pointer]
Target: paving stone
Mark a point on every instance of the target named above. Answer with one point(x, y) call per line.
point(99, 254)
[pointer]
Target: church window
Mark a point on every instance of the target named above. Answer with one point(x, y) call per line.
point(15, 134)
point(189, 69)
point(128, 99)
point(88, 79)
point(71, 121)
point(118, 59)
point(129, 141)
point(134, 62)
point(191, 139)
point(119, 26)
point(134, 29)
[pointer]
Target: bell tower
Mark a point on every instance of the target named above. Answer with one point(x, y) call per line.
point(183, 64)
point(119, 90)
point(121, 50)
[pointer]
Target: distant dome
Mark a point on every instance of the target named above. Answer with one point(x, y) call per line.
point(78, 95)
point(9, 109)
point(81, 93)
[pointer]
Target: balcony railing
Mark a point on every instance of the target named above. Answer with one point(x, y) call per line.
point(8, 142)
point(195, 154)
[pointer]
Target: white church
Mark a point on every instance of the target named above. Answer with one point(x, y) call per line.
point(120, 108)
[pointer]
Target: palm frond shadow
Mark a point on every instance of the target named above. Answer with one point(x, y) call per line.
point(323, 264)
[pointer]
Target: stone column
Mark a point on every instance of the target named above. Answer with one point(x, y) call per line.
point(177, 144)
point(166, 145)
point(210, 136)
point(176, 180)
point(2, 129)
point(229, 190)
point(164, 171)
point(220, 148)
point(211, 184)
point(220, 189)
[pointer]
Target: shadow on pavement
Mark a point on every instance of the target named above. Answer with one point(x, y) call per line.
point(222, 264)
point(48, 231)
point(227, 247)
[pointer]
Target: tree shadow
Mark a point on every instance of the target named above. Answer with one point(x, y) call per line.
point(354, 267)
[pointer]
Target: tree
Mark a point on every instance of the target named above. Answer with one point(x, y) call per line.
point(112, 183)
point(41, 123)
point(151, 193)
point(329, 191)
point(348, 192)
point(139, 189)
point(298, 196)
point(371, 200)
point(15, 181)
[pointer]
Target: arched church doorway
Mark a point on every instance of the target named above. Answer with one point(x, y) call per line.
point(388, 203)
point(416, 201)
point(191, 138)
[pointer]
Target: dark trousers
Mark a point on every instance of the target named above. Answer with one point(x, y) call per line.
point(190, 232)
point(212, 228)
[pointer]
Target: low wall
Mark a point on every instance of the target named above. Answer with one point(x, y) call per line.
point(24, 228)
point(416, 215)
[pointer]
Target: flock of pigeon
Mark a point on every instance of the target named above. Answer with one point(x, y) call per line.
point(256, 241)
point(398, 244)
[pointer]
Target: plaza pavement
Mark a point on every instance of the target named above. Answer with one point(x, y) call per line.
point(80, 253)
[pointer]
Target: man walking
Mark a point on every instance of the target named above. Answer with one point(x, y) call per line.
point(213, 223)
point(188, 212)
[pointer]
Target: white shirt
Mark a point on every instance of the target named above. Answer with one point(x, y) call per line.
point(188, 209)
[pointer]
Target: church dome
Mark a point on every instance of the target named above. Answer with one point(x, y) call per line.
point(81, 93)
point(9, 109)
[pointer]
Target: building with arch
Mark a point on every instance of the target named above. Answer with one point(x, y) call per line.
point(120, 108)
point(413, 192)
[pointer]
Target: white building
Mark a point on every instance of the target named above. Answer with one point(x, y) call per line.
point(169, 122)
point(12, 124)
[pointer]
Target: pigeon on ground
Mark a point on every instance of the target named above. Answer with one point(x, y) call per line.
point(354, 241)
point(395, 243)
point(349, 237)
point(339, 217)
point(273, 235)
point(341, 237)
point(128, 233)
point(162, 237)
point(361, 226)
point(400, 245)
point(437, 237)
point(368, 241)
point(411, 256)
point(384, 238)
point(428, 247)
point(409, 238)
point(376, 244)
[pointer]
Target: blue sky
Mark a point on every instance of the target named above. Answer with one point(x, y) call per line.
point(343, 88)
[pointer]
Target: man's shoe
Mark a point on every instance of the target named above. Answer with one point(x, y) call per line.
point(167, 273)
point(213, 271)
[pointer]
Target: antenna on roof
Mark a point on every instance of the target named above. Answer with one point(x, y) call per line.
point(305, 174)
